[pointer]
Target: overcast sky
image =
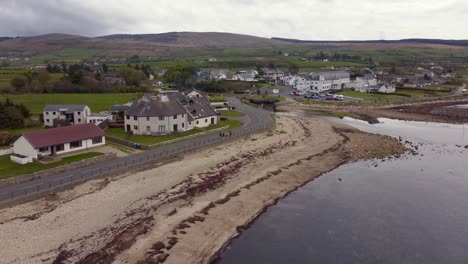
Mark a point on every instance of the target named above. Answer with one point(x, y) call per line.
point(301, 19)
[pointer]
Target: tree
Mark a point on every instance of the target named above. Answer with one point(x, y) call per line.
point(393, 69)
point(105, 68)
point(18, 82)
point(293, 69)
point(43, 77)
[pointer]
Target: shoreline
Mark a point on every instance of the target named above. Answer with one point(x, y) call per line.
point(435, 111)
point(186, 211)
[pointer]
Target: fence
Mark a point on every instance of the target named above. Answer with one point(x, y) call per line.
point(134, 161)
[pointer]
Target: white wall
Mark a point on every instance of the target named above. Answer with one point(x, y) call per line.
point(24, 148)
point(205, 122)
point(154, 123)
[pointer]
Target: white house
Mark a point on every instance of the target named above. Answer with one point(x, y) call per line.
point(60, 140)
point(55, 115)
point(362, 84)
point(157, 83)
point(98, 118)
point(220, 74)
point(168, 112)
point(246, 76)
point(384, 88)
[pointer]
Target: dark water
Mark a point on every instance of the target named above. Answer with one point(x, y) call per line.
point(408, 210)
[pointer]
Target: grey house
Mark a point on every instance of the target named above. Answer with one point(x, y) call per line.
point(60, 115)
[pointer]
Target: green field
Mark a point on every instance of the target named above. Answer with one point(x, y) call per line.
point(150, 140)
point(10, 169)
point(97, 102)
point(230, 113)
point(68, 55)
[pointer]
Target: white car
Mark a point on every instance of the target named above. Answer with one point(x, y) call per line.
point(275, 91)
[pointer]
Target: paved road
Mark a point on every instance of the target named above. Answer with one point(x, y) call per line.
point(259, 119)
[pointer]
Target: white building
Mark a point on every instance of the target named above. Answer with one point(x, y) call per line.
point(56, 141)
point(168, 113)
point(98, 118)
point(329, 80)
point(246, 76)
point(65, 114)
point(220, 74)
point(384, 88)
point(362, 84)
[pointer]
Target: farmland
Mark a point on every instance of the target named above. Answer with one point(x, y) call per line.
point(97, 102)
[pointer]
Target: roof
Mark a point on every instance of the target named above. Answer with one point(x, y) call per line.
point(155, 108)
point(117, 108)
point(62, 135)
point(67, 108)
point(199, 107)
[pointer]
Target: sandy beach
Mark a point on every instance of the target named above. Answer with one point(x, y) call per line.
point(184, 210)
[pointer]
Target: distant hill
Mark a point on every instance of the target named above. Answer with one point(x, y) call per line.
point(125, 44)
point(462, 43)
point(197, 39)
point(4, 38)
point(133, 43)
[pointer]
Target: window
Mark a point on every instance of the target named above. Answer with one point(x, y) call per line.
point(197, 122)
point(54, 113)
point(148, 128)
point(42, 150)
point(182, 115)
point(60, 148)
point(135, 118)
point(79, 113)
point(161, 118)
point(162, 128)
point(97, 140)
point(206, 120)
point(183, 125)
point(75, 144)
point(135, 127)
point(46, 113)
point(47, 120)
point(175, 117)
point(147, 118)
point(128, 117)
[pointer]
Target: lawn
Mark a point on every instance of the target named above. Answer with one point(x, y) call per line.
point(230, 113)
point(10, 169)
point(97, 102)
point(150, 140)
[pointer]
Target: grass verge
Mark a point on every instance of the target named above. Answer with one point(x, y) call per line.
point(10, 169)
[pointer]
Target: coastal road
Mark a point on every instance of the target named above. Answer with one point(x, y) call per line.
point(258, 120)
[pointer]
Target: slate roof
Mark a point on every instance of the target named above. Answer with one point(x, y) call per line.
point(68, 108)
point(117, 108)
point(155, 108)
point(199, 107)
point(62, 135)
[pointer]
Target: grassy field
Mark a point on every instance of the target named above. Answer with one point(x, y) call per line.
point(10, 169)
point(68, 55)
point(150, 140)
point(230, 113)
point(97, 102)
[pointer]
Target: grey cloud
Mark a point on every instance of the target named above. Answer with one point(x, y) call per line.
point(303, 19)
